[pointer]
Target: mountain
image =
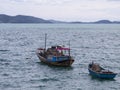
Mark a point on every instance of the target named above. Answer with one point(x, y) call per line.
point(106, 22)
point(30, 19)
point(103, 21)
point(77, 22)
point(99, 22)
point(21, 19)
point(56, 21)
point(117, 22)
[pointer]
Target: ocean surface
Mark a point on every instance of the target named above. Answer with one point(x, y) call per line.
point(20, 68)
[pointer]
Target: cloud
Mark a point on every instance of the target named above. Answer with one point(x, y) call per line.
point(43, 1)
point(85, 10)
point(17, 0)
point(113, 0)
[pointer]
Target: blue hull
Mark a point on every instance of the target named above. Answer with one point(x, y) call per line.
point(102, 75)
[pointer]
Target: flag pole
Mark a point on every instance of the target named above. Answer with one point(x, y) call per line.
point(45, 40)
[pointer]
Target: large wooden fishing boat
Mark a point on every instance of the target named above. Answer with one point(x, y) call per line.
point(55, 55)
point(97, 71)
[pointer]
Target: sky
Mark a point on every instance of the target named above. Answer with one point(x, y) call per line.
point(64, 10)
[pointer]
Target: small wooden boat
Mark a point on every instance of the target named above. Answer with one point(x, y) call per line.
point(55, 55)
point(97, 71)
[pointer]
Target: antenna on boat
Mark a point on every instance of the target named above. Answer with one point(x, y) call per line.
point(45, 40)
point(69, 47)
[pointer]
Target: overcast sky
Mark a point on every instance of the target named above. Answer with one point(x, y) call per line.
point(65, 10)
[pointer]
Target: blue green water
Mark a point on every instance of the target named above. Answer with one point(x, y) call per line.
point(20, 68)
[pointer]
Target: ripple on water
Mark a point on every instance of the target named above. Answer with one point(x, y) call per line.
point(4, 50)
point(21, 69)
point(48, 79)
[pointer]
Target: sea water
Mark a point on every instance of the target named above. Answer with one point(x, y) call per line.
point(20, 68)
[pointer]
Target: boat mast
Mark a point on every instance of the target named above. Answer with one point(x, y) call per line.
point(69, 48)
point(45, 40)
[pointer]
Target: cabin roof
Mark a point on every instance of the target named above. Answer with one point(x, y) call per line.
point(62, 48)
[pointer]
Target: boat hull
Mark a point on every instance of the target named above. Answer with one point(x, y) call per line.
point(102, 75)
point(65, 63)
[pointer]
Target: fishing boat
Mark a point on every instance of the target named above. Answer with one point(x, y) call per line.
point(55, 55)
point(96, 70)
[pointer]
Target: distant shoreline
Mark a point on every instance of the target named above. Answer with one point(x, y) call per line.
point(22, 19)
